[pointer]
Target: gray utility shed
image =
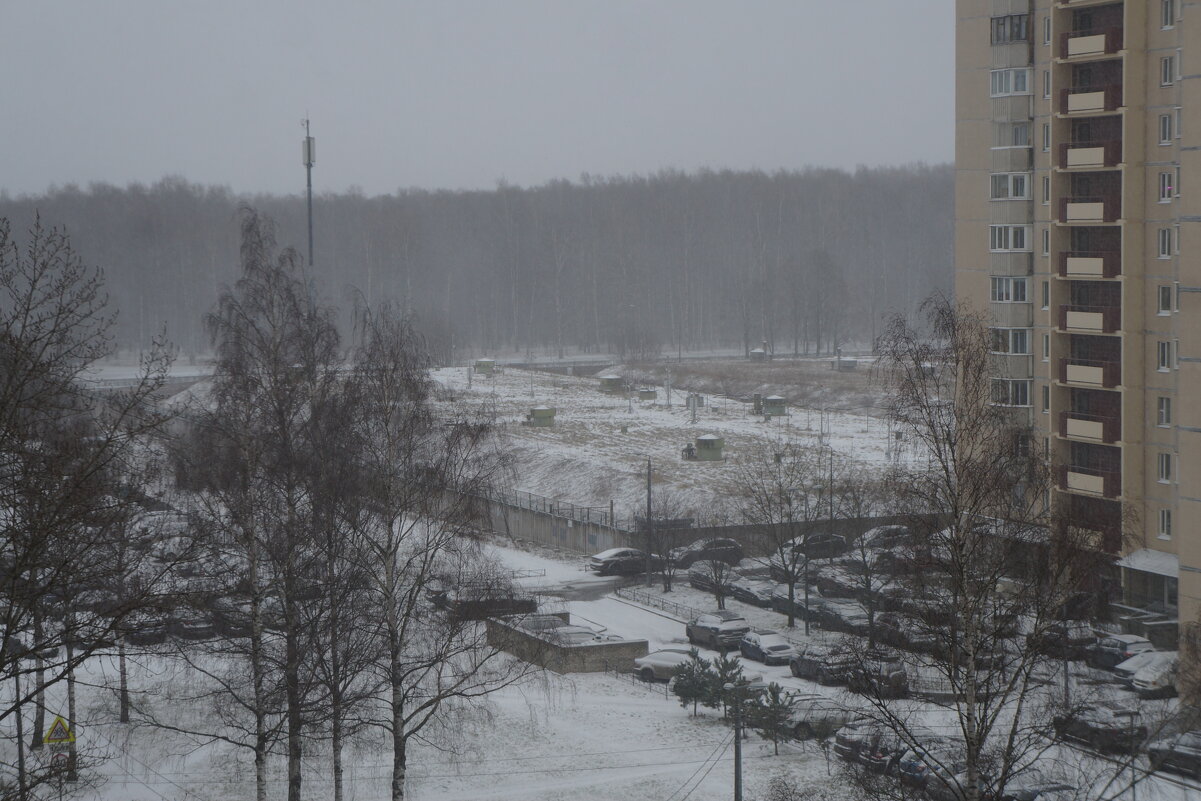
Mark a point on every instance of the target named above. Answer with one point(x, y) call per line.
point(709, 448)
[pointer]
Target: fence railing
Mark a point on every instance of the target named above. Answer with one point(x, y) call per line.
point(624, 671)
point(657, 601)
point(598, 515)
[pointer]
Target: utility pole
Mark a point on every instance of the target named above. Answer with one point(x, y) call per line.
point(308, 153)
point(736, 691)
point(650, 525)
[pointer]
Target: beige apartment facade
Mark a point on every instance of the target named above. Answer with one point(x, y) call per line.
point(1078, 222)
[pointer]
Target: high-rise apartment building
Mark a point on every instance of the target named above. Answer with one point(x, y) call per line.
point(1078, 225)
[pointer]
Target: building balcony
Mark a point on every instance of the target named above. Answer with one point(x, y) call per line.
point(1079, 44)
point(1090, 209)
point(1090, 155)
point(1091, 99)
point(1090, 427)
point(1105, 483)
point(1090, 264)
point(1090, 373)
point(1091, 319)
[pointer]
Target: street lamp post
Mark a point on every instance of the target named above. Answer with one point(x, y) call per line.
point(730, 688)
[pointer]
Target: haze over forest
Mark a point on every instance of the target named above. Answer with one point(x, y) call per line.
point(634, 265)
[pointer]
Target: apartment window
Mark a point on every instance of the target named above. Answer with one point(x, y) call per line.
point(1004, 83)
point(1167, 71)
point(1046, 84)
point(1046, 347)
point(1047, 29)
point(1164, 462)
point(1164, 243)
point(1176, 184)
point(1046, 136)
point(1011, 134)
point(1008, 290)
point(1167, 13)
point(1163, 356)
point(1011, 392)
point(1046, 293)
point(1011, 340)
point(1046, 398)
point(1165, 187)
point(1011, 28)
point(1179, 120)
point(1165, 129)
point(1011, 186)
point(1163, 413)
point(1009, 238)
point(1046, 241)
point(1046, 190)
point(1176, 239)
point(1165, 300)
point(1165, 524)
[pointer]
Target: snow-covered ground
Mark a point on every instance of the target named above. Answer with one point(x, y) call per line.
point(596, 452)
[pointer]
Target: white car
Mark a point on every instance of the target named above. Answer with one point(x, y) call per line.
point(766, 646)
point(1124, 672)
point(1158, 679)
point(661, 665)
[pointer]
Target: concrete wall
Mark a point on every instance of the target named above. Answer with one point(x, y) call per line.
point(552, 530)
point(588, 658)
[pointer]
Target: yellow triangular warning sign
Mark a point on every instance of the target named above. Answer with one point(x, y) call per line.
point(59, 732)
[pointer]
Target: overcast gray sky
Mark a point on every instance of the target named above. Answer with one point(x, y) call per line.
point(446, 94)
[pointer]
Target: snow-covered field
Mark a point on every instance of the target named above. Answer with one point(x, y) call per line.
point(596, 451)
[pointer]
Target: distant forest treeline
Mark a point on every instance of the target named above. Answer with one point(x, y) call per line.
point(807, 260)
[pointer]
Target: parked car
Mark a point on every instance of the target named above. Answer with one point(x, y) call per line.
point(661, 665)
point(879, 674)
point(886, 537)
point(766, 646)
point(1039, 791)
point(1158, 679)
point(820, 545)
point(780, 602)
point(1106, 725)
point(721, 629)
point(750, 591)
point(706, 574)
point(823, 664)
point(918, 763)
point(945, 785)
point(1124, 671)
point(816, 716)
point(1113, 649)
point(845, 616)
point(883, 753)
point(1068, 639)
point(622, 562)
point(719, 549)
point(855, 736)
point(1180, 753)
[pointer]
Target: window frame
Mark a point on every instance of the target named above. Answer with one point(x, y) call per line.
point(1009, 29)
point(1165, 129)
point(1003, 82)
point(1010, 179)
point(1164, 468)
point(1163, 355)
point(1165, 524)
point(1163, 411)
point(1167, 14)
point(1011, 339)
point(1015, 391)
point(1008, 286)
point(1166, 191)
point(1163, 243)
point(1163, 300)
point(1003, 238)
point(1167, 70)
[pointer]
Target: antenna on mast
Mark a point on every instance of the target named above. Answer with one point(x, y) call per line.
point(308, 154)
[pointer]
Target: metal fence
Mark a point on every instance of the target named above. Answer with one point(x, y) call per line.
point(623, 671)
point(657, 601)
point(598, 515)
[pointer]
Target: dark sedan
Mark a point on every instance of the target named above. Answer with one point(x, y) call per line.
point(1181, 754)
point(718, 549)
point(1105, 725)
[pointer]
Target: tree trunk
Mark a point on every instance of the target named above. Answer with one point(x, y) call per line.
point(336, 742)
point(72, 754)
point(39, 706)
point(123, 671)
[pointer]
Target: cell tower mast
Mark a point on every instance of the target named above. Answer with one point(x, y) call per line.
point(308, 153)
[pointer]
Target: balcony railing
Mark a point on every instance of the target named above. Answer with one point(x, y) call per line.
point(1089, 480)
point(1099, 428)
point(1106, 41)
point(1090, 372)
point(1096, 208)
point(1090, 99)
point(1090, 264)
point(1103, 153)
point(1097, 319)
